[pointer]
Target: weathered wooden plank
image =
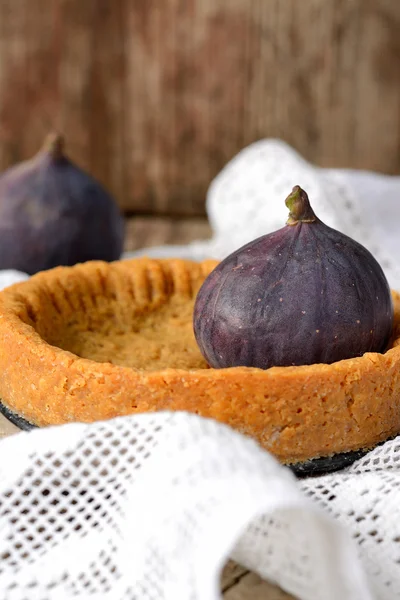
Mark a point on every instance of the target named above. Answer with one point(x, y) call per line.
point(6, 428)
point(252, 587)
point(143, 232)
point(231, 575)
point(155, 97)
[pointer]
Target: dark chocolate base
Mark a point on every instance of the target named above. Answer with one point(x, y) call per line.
point(16, 419)
point(326, 464)
point(310, 468)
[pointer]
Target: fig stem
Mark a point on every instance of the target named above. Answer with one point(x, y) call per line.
point(54, 145)
point(299, 207)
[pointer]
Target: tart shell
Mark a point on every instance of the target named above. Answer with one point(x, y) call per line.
point(99, 340)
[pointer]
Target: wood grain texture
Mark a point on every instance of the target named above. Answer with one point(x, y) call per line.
point(252, 587)
point(144, 232)
point(6, 427)
point(237, 583)
point(155, 97)
point(231, 576)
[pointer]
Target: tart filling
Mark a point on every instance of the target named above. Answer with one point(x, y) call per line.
point(100, 340)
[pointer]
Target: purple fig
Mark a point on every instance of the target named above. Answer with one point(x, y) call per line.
point(301, 295)
point(53, 213)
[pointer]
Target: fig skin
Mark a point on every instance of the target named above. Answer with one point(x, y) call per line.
point(53, 213)
point(301, 295)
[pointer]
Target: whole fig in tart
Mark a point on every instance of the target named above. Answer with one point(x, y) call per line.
point(301, 295)
point(53, 213)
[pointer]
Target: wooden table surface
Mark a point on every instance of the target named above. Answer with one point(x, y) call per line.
point(237, 583)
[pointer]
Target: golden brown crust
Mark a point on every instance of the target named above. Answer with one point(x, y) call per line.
point(127, 312)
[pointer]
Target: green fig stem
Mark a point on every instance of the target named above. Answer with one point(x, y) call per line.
point(299, 207)
point(54, 145)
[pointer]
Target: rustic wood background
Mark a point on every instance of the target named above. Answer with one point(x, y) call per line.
point(156, 96)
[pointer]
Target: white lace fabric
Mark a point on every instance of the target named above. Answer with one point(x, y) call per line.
point(150, 507)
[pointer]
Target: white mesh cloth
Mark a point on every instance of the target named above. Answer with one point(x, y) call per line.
point(150, 507)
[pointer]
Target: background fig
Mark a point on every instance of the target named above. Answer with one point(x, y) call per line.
point(303, 294)
point(53, 213)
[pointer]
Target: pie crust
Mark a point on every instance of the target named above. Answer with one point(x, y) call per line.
point(99, 340)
